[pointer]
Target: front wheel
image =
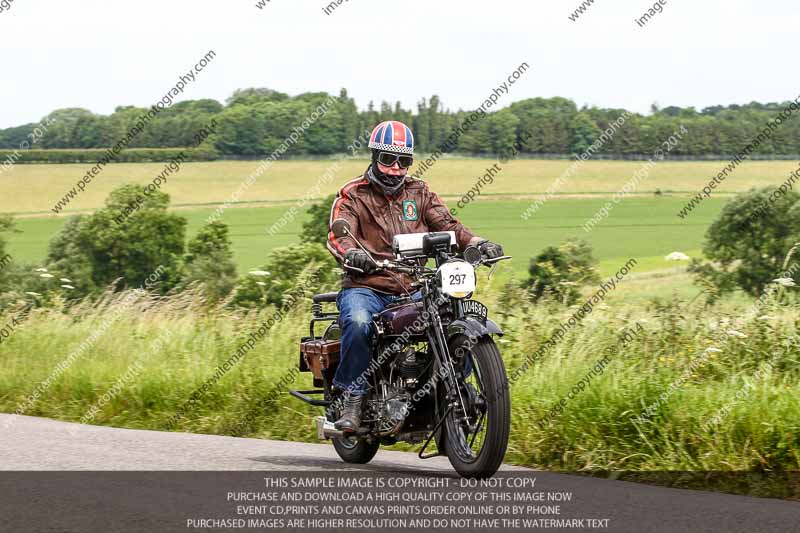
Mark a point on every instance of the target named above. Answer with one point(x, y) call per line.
point(476, 439)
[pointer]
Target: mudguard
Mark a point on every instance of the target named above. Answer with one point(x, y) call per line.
point(473, 327)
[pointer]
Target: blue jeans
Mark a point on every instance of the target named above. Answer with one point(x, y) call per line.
point(356, 307)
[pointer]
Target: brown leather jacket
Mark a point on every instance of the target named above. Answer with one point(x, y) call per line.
point(375, 219)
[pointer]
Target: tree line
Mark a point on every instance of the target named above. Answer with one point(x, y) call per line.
point(254, 122)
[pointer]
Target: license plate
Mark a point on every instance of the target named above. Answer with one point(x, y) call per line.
point(475, 308)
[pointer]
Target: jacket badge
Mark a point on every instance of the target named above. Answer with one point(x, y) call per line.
point(410, 210)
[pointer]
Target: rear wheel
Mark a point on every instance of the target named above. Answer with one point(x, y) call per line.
point(476, 438)
point(350, 449)
point(357, 451)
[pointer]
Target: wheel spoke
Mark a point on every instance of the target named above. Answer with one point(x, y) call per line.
point(477, 430)
point(477, 371)
point(466, 435)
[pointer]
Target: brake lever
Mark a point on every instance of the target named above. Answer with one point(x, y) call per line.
point(492, 268)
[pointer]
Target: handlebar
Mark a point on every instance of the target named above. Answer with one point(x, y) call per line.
point(384, 265)
point(397, 267)
point(495, 260)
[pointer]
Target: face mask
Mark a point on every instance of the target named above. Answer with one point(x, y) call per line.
point(388, 184)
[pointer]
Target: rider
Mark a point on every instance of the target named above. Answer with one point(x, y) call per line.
point(380, 204)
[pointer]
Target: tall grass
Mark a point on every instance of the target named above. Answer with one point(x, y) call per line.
point(178, 344)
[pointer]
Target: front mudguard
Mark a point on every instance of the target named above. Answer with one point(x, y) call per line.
point(473, 328)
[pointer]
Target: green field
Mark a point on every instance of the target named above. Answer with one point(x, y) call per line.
point(37, 188)
point(643, 226)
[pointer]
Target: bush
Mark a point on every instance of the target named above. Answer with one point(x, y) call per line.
point(316, 228)
point(749, 242)
point(560, 272)
point(115, 245)
point(209, 261)
point(268, 285)
point(6, 224)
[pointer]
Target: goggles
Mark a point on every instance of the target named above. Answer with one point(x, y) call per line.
point(388, 159)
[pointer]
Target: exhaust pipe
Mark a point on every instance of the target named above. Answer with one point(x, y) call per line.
point(326, 430)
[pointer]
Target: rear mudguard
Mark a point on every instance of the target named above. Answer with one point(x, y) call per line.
point(473, 327)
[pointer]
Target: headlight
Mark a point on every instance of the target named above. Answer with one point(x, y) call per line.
point(457, 278)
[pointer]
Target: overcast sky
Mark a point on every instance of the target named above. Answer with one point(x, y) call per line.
point(101, 54)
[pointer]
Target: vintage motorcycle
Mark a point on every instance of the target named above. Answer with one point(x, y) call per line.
point(435, 373)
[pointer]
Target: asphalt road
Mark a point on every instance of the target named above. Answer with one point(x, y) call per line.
point(45, 492)
point(44, 444)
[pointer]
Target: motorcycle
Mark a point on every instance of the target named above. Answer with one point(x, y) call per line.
point(435, 374)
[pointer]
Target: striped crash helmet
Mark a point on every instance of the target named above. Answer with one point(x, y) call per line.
point(392, 136)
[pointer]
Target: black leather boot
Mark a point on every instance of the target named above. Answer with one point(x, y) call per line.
point(351, 414)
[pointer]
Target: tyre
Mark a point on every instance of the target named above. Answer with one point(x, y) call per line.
point(356, 451)
point(476, 441)
point(350, 449)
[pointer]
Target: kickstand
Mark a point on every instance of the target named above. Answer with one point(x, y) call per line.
point(430, 437)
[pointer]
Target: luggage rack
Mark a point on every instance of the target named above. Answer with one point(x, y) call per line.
point(319, 354)
point(318, 315)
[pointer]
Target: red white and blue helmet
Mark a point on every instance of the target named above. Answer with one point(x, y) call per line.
point(392, 136)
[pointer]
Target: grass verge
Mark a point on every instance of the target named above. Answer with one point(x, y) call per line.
point(157, 352)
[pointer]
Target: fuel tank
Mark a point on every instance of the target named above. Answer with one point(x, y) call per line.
point(399, 318)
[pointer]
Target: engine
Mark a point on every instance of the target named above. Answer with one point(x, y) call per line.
point(411, 367)
point(406, 374)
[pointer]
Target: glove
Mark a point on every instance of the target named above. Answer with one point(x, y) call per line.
point(359, 259)
point(490, 250)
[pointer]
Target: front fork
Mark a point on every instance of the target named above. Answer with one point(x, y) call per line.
point(438, 343)
point(453, 396)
